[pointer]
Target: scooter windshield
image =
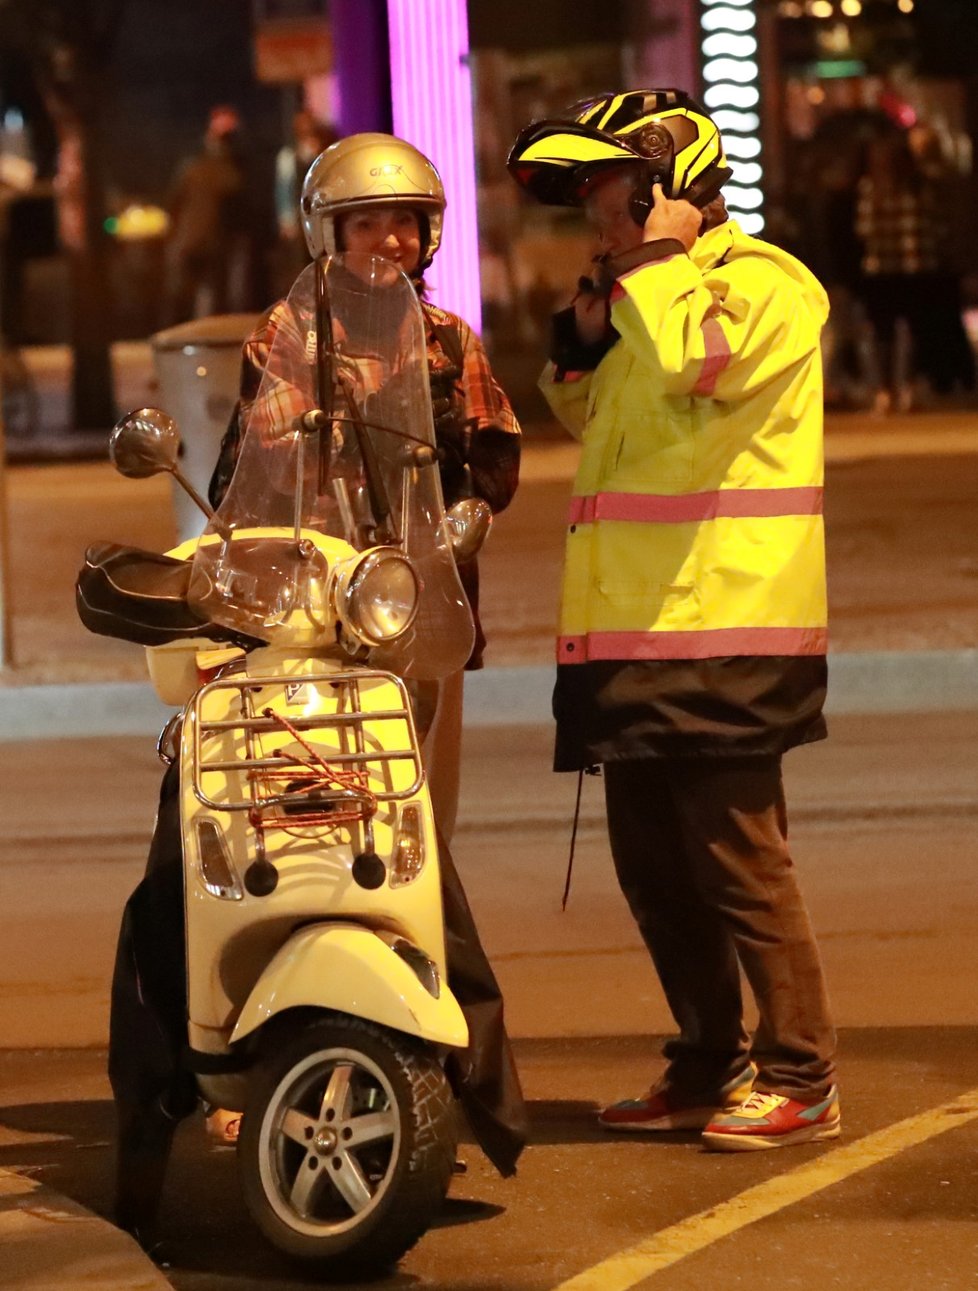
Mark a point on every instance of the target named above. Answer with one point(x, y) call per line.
point(339, 441)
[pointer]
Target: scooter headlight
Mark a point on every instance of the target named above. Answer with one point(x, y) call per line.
point(377, 595)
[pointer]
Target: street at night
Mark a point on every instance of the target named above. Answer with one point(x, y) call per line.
point(883, 828)
point(399, 398)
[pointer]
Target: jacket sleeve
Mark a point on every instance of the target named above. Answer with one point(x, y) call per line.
point(724, 334)
point(567, 395)
point(493, 433)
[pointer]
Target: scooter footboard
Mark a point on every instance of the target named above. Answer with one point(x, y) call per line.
point(352, 969)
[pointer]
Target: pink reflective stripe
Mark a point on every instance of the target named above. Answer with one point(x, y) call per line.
point(708, 643)
point(717, 356)
point(667, 508)
point(569, 377)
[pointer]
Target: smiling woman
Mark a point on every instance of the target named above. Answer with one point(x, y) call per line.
point(389, 231)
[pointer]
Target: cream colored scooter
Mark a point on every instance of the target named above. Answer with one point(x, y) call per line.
point(318, 1004)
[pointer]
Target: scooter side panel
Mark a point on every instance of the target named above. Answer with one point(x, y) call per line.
point(351, 970)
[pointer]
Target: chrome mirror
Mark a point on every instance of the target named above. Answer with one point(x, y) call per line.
point(144, 443)
point(468, 524)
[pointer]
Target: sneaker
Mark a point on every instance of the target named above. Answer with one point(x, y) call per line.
point(773, 1121)
point(663, 1108)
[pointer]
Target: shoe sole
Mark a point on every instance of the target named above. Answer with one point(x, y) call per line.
point(720, 1142)
point(678, 1121)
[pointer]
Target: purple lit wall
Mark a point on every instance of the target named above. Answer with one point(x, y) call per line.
point(432, 100)
point(362, 88)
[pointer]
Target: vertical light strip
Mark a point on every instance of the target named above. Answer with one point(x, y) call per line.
point(731, 76)
point(432, 106)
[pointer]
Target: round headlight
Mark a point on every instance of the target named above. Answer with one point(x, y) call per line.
point(378, 597)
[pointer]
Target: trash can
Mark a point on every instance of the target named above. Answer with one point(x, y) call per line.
point(198, 367)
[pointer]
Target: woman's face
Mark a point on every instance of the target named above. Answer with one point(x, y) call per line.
point(391, 232)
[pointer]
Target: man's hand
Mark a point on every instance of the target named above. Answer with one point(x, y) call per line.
point(672, 219)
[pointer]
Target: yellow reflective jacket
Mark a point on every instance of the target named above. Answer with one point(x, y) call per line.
point(695, 525)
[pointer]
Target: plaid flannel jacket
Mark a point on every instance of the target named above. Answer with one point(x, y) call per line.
point(492, 432)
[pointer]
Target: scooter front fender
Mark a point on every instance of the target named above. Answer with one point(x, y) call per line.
point(350, 969)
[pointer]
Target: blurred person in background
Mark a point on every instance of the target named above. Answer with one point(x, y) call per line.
point(822, 176)
point(208, 248)
point(900, 227)
point(944, 352)
point(310, 137)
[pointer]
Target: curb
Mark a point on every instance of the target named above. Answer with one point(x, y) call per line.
point(50, 1243)
point(871, 682)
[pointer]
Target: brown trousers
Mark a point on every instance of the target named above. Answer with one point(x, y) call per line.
point(700, 848)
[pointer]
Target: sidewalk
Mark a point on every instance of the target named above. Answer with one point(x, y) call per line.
point(50, 1243)
point(902, 563)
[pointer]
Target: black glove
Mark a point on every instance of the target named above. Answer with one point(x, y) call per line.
point(447, 404)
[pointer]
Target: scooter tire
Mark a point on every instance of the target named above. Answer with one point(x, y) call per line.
point(288, 1137)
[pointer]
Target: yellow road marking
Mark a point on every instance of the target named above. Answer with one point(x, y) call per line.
point(629, 1268)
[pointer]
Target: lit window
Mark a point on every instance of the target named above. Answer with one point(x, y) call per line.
point(731, 90)
point(725, 42)
point(726, 19)
point(732, 96)
point(738, 70)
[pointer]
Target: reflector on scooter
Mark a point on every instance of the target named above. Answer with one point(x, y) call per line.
point(215, 868)
point(408, 859)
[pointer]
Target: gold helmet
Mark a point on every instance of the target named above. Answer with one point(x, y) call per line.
point(370, 170)
point(663, 131)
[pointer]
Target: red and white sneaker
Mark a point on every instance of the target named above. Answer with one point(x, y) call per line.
point(663, 1109)
point(773, 1121)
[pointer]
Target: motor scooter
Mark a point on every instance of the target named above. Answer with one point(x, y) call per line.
point(296, 635)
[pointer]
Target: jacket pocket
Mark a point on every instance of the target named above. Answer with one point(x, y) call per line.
point(654, 606)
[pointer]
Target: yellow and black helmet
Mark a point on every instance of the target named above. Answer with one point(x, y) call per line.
point(366, 170)
point(665, 131)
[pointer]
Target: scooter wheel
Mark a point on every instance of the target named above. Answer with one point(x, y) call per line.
point(347, 1145)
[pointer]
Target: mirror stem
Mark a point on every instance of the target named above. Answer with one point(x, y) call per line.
point(205, 506)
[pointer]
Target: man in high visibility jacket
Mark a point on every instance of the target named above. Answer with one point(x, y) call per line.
point(693, 619)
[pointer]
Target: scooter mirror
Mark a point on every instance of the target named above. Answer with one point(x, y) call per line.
point(143, 443)
point(468, 524)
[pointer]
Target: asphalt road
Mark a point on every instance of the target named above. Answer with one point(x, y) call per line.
point(884, 818)
point(890, 1218)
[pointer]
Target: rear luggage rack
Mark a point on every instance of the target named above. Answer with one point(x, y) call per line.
point(323, 773)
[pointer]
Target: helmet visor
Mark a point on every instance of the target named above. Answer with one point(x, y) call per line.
point(554, 160)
